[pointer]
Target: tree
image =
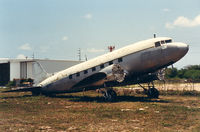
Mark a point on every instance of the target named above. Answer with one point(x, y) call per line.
point(189, 72)
point(171, 73)
point(192, 74)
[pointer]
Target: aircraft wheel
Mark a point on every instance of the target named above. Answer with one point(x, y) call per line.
point(153, 93)
point(109, 95)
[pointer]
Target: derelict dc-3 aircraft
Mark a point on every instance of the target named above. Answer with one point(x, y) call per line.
point(136, 63)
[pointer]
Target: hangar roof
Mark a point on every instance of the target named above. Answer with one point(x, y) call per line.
point(6, 60)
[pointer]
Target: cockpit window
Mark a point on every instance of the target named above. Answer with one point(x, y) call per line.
point(157, 43)
point(162, 42)
point(168, 41)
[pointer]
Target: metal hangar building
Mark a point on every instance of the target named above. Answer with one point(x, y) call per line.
point(36, 69)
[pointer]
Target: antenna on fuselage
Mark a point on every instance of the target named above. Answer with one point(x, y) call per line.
point(154, 35)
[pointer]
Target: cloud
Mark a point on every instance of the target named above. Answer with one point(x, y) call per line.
point(182, 21)
point(166, 10)
point(21, 56)
point(169, 26)
point(88, 16)
point(65, 38)
point(25, 47)
point(93, 50)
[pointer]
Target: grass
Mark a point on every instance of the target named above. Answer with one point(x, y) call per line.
point(181, 93)
point(89, 112)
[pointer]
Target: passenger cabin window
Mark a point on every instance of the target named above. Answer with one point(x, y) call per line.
point(70, 76)
point(119, 59)
point(93, 68)
point(78, 74)
point(102, 66)
point(110, 62)
point(162, 42)
point(157, 44)
point(86, 71)
point(168, 41)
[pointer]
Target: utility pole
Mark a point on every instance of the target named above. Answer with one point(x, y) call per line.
point(33, 55)
point(86, 58)
point(79, 54)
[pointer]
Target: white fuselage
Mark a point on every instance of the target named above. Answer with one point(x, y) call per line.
point(140, 57)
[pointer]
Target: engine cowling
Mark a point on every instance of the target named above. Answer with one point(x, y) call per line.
point(114, 72)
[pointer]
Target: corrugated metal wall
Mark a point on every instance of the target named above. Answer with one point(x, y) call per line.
point(35, 69)
point(23, 70)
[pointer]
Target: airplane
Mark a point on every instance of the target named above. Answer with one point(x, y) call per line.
point(137, 63)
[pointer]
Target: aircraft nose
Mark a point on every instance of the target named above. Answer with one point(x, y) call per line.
point(183, 48)
point(176, 51)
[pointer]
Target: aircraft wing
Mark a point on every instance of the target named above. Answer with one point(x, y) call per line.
point(23, 89)
point(91, 80)
point(113, 72)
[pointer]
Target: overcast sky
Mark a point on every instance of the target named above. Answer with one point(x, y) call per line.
point(56, 29)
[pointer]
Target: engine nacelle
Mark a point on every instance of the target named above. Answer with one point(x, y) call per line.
point(114, 72)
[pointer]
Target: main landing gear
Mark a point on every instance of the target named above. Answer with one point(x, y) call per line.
point(109, 94)
point(151, 91)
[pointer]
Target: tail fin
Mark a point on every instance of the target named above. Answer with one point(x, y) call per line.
point(39, 73)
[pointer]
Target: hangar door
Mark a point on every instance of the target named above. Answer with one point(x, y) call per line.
point(4, 73)
point(23, 70)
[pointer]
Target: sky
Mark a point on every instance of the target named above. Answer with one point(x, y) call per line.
point(56, 29)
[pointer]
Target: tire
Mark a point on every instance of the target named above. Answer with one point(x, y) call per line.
point(153, 93)
point(110, 95)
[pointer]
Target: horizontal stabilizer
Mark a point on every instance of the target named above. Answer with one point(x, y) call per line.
point(23, 89)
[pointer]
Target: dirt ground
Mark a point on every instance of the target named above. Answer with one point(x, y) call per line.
point(89, 112)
